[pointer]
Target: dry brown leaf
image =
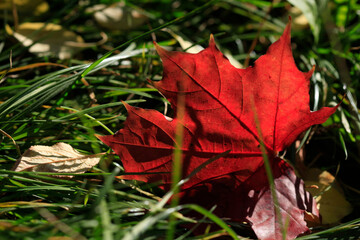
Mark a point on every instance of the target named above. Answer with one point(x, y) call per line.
point(47, 39)
point(117, 16)
point(329, 196)
point(59, 158)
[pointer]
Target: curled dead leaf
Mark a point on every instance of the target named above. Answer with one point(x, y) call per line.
point(59, 158)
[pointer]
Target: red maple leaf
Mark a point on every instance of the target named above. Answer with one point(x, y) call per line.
point(223, 107)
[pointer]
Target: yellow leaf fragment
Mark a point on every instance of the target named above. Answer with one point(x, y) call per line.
point(329, 197)
point(59, 158)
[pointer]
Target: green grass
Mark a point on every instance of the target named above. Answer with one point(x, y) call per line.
point(49, 104)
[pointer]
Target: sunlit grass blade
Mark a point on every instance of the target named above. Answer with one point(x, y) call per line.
point(48, 86)
point(79, 113)
point(348, 230)
point(269, 173)
point(213, 218)
point(149, 221)
point(343, 145)
point(303, 140)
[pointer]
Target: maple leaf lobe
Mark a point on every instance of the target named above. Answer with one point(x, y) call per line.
point(280, 95)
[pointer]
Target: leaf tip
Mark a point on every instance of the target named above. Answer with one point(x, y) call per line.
point(156, 45)
point(309, 73)
point(126, 105)
point(149, 80)
point(212, 41)
point(98, 136)
point(161, 51)
point(287, 30)
point(154, 83)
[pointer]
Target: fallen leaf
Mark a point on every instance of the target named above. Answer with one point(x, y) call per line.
point(117, 16)
point(59, 158)
point(47, 39)
point(329, 196)
point(222, 104)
